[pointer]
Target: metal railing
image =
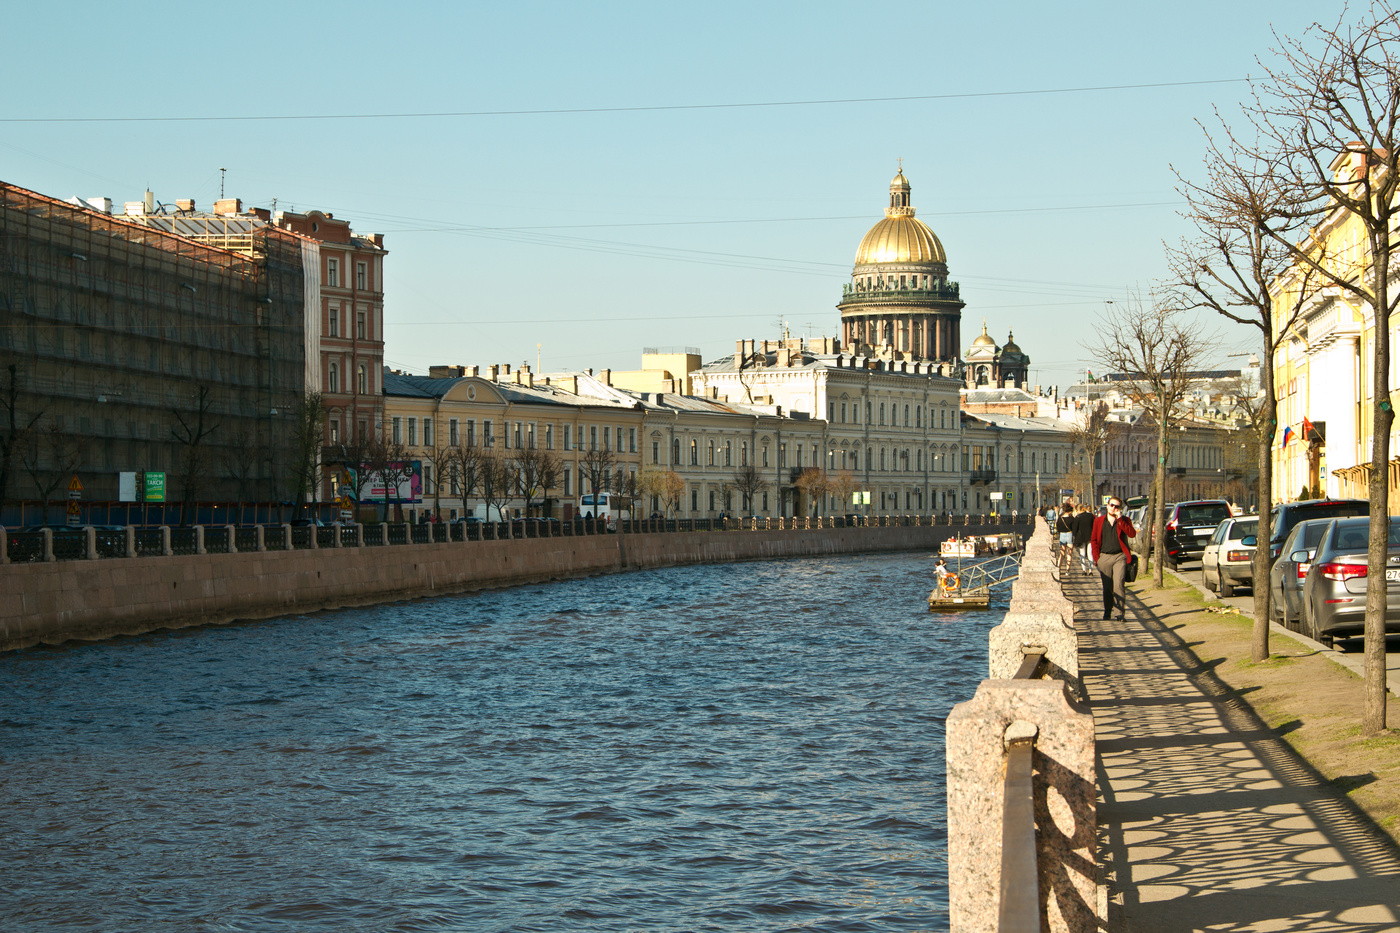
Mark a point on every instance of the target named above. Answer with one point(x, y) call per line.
point(71, 543)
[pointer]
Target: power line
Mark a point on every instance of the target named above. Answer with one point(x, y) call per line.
point(560, 111)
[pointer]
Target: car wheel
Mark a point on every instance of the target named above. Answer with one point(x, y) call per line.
point(1226, 588)
point(1317, 635)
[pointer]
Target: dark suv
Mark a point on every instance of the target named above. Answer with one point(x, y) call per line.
point(1189, 527)
point(1285, 517)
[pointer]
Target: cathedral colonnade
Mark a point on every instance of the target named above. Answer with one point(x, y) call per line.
point(922, 336)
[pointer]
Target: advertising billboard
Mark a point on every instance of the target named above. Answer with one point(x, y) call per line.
point(407, 476)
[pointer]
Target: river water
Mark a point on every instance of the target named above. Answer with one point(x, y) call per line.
point(740, 747)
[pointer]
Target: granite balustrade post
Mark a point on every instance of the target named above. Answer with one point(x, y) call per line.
point(261, 534)
point(47, 537)
point(1064, 801)
point(165, 548)
point(287, 537)
point(360, 534)
point(4, 546)
point(199, 540)
point(335, 534)
point(90, 543)
point(232, 538)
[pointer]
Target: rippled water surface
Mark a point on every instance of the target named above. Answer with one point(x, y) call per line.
point(743, 747)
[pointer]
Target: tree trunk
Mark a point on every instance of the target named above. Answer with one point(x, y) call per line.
point(1159, 534)
point(1268, 423)
point(1373, 670)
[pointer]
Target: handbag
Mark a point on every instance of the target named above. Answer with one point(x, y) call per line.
point(1131, 571)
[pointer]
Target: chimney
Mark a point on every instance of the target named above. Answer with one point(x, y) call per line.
point(184, 204)
point(491, 372)
point(605, 376)
point(529, 378)
point(225, 206)
point(149, 202)
point(474, 371)
point(261, 213)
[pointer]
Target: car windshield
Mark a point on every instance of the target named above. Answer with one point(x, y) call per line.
point(1354, 534)
point(1203, 514)
point(1239, 529)
point(1309, 535)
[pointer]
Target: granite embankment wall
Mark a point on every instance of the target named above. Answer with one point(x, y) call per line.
point(50, 603)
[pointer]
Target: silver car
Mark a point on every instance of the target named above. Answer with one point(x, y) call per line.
point(1228, 560)
point(1334, 593)
point(1287, 574)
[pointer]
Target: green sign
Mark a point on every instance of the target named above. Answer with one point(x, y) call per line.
point(153, 487)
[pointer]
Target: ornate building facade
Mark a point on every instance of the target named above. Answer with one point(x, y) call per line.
point(899, 303)
point(988, 366)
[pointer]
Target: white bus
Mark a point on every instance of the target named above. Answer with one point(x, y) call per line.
point(607, 507)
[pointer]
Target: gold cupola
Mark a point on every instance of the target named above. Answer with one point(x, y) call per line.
point(900, 238)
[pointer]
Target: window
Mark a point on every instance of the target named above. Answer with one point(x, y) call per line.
point(428, 479)
point(452, 432)
point(631, 440)
point(360, 276)
point(882, 413)
point(694, 453)
point(868, 407)
point(568, 481)
point(519, 436)
point(675, 451)
point(396, 434)
point(606, 431)
point(712, 500)
point(843, 412)
point(549, 437)
point(568, 436)
point(413, 432)
point(362, 380)
point(906, 416)
point(592, 437)
point(471, 432)
point(655, 451)
point(710, 454)
point(427, 432)
point(744, 453)
point(486, 431)
point(333, 382)
point(694, 498)
point(831, 411)
point(728, 453)
point(335, 430)
point(782, 456)
point(333, 273)
point(334, 330)
point(530, 435)
point(765, 502)
point(360, 324)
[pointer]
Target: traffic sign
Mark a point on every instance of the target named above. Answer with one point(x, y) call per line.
point(75, 487)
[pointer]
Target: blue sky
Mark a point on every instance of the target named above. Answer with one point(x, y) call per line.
point(594, 234)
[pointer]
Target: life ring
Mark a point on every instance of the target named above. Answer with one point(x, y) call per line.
point(950, 582)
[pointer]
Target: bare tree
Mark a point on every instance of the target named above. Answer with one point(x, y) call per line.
point(1325, 119)
point(389, 464)
point(241, 470)
point(1091, 434)
point(439, 460)
point(307, 436)
point(537, 472)
point(1234, 266)
point(192, 430)
point(812, 482)
point(15, 429)
point(465, 472)
point(749, 481)
point(1156, 348)
point(841, 485)
point(596, 468)
point(51, 456)
point(497, 481)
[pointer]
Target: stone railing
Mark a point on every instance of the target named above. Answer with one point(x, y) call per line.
point(92, 543)
point(1020, 764)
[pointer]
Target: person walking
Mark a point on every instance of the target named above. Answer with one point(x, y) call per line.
point(1064, 527)
point(1109, 545)
point(1083, 532)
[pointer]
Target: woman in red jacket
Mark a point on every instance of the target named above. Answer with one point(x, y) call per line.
point(1109, 545)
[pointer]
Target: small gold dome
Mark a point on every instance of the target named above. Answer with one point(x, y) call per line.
point(985, 340)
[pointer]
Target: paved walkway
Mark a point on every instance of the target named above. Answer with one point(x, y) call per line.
point(1208, 819)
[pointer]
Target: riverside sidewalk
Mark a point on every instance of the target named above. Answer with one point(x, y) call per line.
point(1208, 819)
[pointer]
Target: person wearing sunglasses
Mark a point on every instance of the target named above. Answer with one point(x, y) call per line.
point(1109, 545)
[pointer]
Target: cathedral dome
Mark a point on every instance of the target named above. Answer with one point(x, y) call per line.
point(1010, 344)
point(899, 237)
point(985, 340)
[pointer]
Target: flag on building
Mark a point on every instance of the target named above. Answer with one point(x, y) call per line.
point(1287, 435)
point(1307, 429)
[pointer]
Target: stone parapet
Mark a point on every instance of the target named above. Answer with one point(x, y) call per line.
point(1023, 630)
point(1064, 801)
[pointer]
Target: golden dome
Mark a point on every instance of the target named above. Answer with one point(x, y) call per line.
point(985, 339)
point(899, 237)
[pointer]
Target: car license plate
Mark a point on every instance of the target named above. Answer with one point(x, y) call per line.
point(1392, 576)
point(1203, 531)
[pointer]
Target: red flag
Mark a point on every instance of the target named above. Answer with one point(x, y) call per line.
point(1307, 429)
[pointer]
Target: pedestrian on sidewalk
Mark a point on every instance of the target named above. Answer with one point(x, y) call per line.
point(1064, 527)
point(1083, 533)
point(1109, 544)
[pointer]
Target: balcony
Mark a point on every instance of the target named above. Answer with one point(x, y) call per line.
point(942, 290)
point(982, 476)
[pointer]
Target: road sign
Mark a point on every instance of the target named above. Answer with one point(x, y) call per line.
point(75, 514)
point(996, 495)
point(75, 487)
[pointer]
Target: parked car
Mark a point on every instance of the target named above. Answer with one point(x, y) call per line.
point(1228, 560)
point(1287, 573)
point(1189, 526)
point(1288, 514)
point(1334, 593)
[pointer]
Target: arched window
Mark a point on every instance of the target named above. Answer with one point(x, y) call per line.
point(333, 380)
point(362, 380)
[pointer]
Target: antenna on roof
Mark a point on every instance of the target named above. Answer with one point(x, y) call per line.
point(221, 183)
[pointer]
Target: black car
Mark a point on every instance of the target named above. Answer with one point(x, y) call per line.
point(1284, 517)
point(1189, 527)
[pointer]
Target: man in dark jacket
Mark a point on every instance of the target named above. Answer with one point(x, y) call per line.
point(1083, 534)
point(1109, 544)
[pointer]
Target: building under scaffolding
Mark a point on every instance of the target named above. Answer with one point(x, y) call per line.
point(121, 336)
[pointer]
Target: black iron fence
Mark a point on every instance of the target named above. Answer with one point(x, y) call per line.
point(30, 545)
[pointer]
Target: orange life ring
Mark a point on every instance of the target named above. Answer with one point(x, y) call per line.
point(950, 582)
